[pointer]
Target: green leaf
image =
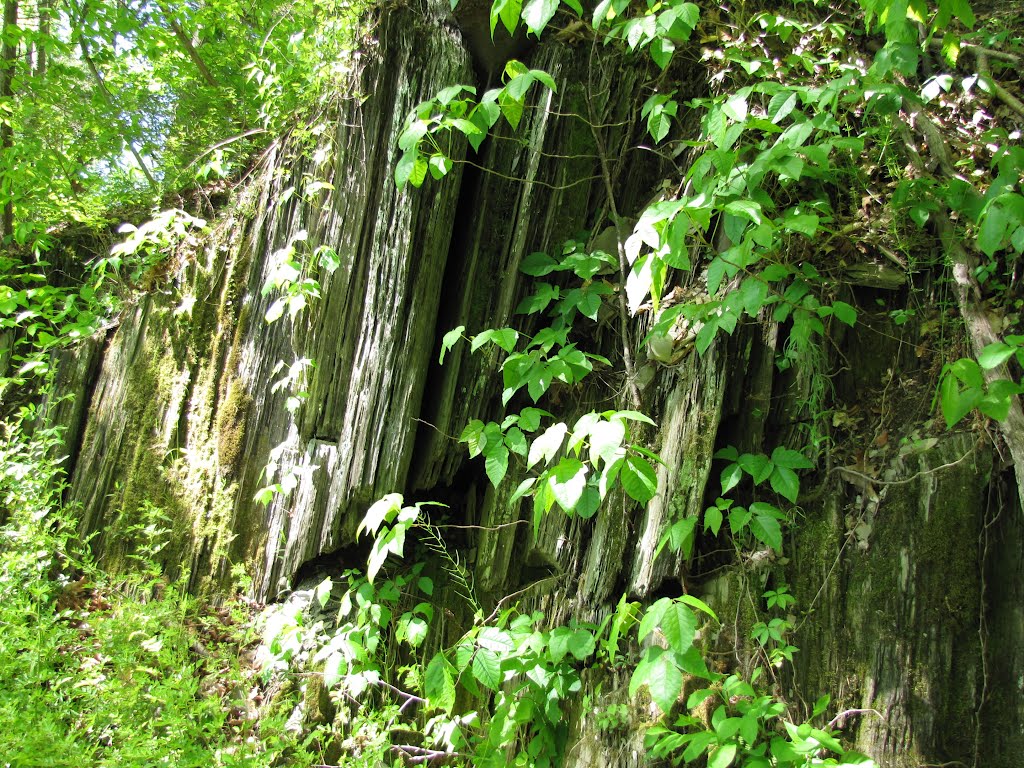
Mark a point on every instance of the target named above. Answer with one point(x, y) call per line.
point(439, 683)
point(522, 489)
point(723, 756)
point(508, 11)
point(547, 445)
point(745, 209)
point(516, 441)
point(735, 107)
point(662, 50)
point(450, 340)
point(995, 355)
point(558, 643)
point(678, 625)
point(334, 670)
point(697, 603)
point(629, 416)
point(537, 14)
point(757, 465)
point(505, 338)
point(474, 437)
point(713, 520)
point(538, 264)
point(639, 479)
point(323, 592)
point(956, 404)
point(496, 463)
point(567, 481)
point(439, 165)
point(662, 677)
point(766, 529)
point(606, 439)
point(590, 501)
point(803, 223)
point(845, 313)
point(738, 519)
point(731, 477)
point(581, 644)
point(784, 457)
point(487, 668)
point(529, 419)
point(405, 166)
point(380, 511)
point(781, 105)
point(993, 230)
point(785, 482)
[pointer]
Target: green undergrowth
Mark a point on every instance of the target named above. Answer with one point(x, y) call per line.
point(103, 670)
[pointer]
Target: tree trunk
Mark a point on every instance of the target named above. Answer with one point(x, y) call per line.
point(8, 63)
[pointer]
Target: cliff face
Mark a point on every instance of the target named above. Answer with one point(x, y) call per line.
point(178, 408)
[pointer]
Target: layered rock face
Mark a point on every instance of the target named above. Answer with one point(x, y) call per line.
point(181, 407)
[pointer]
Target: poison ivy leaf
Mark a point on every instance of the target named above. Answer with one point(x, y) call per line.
point(567, 481)
point(606, 439)
point(581, 430)
point(380, 511)
point(516, 441)
point(729, 453)
point(731, 477)
point(487, 668)
point(418, 174)
point(757, 465)
point(723, 756)
point(678, 625)
point(781, 105)
point(745, 209)
point(697, 603)
point(995, 355)
point(538, 264)
point(334, 670)
point(508, 11)
point(537, 14)
point(785, 482)
point(996, 403)
point(474, 437)
point(523, 488)
point(323, 592)
point(590, 500)
point(582, 644)
point(547, 445)
point(662, 677)
point(496, 463)
point(450, 340)
point(956, 403)
point(713, 520)
point(738, 519)
point(784, 457)
point(662, 50)
point(439, 683)
point(590, 304)
point(735, 107)
point(845, 313)
point(439, 165)
point(993, 230)
point(639, 479)
point(753, 295)
point(629, 416)
point(505, 338)
point(529, 419)
point(804, 223)
point(405, 166)
point(766, 529)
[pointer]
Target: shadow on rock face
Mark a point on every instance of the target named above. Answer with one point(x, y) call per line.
point(489, 55)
